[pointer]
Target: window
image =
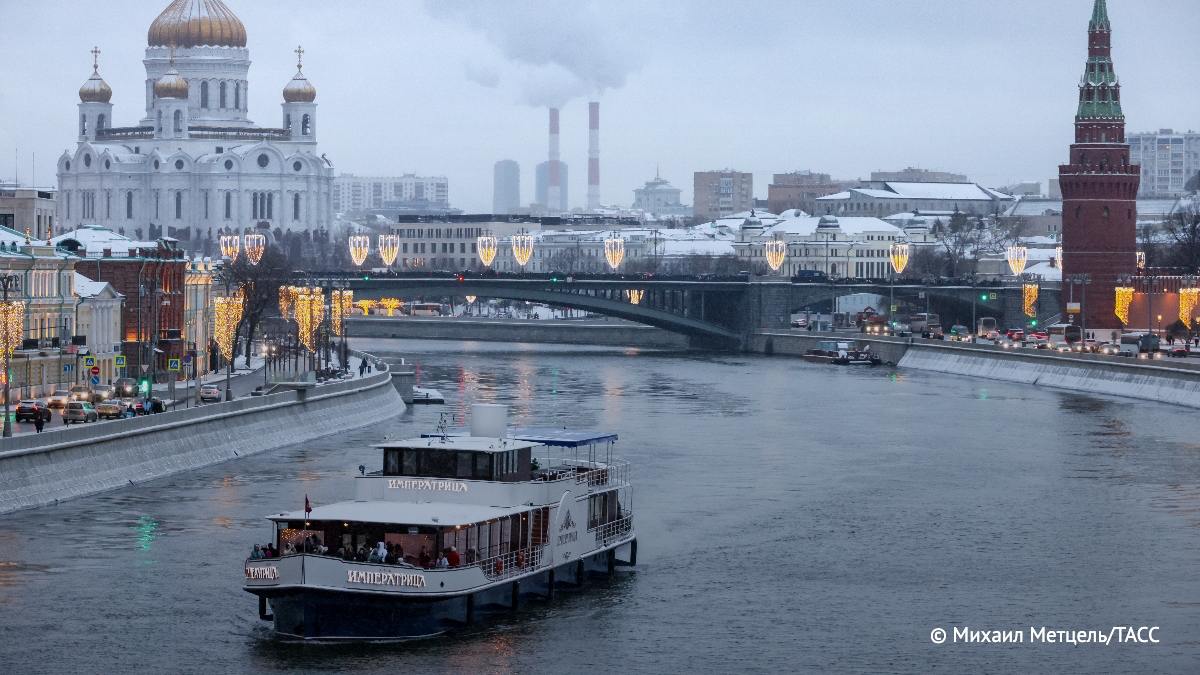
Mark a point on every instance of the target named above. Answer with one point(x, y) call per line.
point(107, 204)
point(228, 205)
point(305, 125)
point(263, 160)
point(204, 95)
point(100, 122)
point(270, 205)
point(254, 206)
point(129, 205)
point(179, 121)
point(296, 207)
point(222, 95)
point(237, 95)
point(178, 204)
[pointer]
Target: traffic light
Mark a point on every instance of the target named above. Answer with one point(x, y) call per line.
point(983, 297)
point(144, 386)
point(1033, 322)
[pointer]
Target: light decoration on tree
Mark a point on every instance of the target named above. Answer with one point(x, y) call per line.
point(389, 248)
point(391, 305)
point(310, 312)
point(228, 314)
point(1141, 261)
point(1187, 304)
point(486, 247)
point(1058, 257)
point(287, 300)
point(1029, 293)
point(899, 257)
point(614, 251)
point(522, 248)
point(360, 246)
point(776, 251)
point(1124, 296)
point(231, 245)
point(365, 306)
point(341, 304)
point(1017, 256)
point(635, 295)
point(256, 246)
point(12, 327)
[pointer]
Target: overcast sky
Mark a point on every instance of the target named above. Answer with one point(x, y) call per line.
point(982, 87)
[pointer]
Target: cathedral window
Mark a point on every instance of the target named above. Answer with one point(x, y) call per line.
point(270, 205)
point(83, 125)
point(107, 204)
point(158, 127)
point(228, 205)
point(254, 206)
point(179, 121)
point(287, 122)
point(87, 160)
point(222, 95)
point(204, 95)
point(296, 166)
point(305, 125)
point(296, 207)
point(129, 205)
point(100, 122)
point(263, 160)
point(237, 95)
point(178, 205)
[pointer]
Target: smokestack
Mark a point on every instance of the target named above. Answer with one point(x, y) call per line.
point(593, 193)
point(554, 189)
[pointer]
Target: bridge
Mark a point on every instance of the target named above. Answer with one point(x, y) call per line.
point(712, 313)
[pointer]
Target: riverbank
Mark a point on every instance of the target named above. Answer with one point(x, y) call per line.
point(613, 332)
point(1175, 382)
point(36, 470)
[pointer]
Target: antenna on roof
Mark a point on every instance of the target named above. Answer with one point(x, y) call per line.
point(443, 421)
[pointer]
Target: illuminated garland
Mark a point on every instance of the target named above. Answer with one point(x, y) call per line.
point(228, 314)
point(256, 245)
point(310, 312)
point(899, 257)
point(360, 246)
point(614, 252)
point(287, 300)
point(1187, 304)
point(367, 305)
point(635, 296)
point(1141, 261)
point(470, 299)
point(1124, 296)
point(1029, 293)
point(231, 244)
point(776, 251)
point(486, 247)
point(341, 303)
point(522, 248)
point(1058, 257)
point(12, 331)
point(1017, 257)
point(389, 248)
point(391, 305)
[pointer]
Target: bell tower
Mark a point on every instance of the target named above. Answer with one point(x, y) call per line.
point(1099, 185)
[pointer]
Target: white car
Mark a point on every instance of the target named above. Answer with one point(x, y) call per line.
point(58, 399)
point(210, 392)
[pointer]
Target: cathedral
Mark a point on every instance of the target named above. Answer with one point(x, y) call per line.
point(196, 165)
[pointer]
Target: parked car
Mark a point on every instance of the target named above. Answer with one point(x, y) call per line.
point(103, 392)
point(210, 392)
point(81, 392)
point(58, 399)
point(80, 411)
point(110, 409)
point(30, 409)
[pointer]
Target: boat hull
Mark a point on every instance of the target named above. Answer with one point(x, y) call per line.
point(311, 613)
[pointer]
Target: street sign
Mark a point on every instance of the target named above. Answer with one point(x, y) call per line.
point(894, 308)
point(992, 295)
point(67, 367)
point(187, 360)
point(1072, 308)
point(173, 365)
point(95, 370)
point(145, 367)
point(95, 379)
point(119, 360)
point(89, 361)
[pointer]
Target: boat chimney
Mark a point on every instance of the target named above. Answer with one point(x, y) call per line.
point(489, 420)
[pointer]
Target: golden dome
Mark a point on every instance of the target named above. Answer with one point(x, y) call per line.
point(171, 85)
point(95, 90)
point(197, 23)
point(299, 90)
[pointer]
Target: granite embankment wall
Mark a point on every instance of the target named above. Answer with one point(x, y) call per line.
point(37, 470)
point(606, 333)
point(1169, 381)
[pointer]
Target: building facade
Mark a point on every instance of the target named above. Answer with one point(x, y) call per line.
point(1100, 183)
point(881, 199)
point(98, 318)
point(915, 175)
point(801, 189)
point(360, 194)
point(658, 197)
point(199, 312)
point(195, 163)
point(849, 247)
point(1169, 161)
point(721, 193)
point(506, 187)
point(31, 208)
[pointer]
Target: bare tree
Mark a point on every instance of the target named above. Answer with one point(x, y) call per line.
point(260, 283)
point(1183, 228)
point(960, 237)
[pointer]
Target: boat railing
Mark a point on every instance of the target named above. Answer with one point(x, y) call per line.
point(512, 563)
point(613, 530)
point(615, 472)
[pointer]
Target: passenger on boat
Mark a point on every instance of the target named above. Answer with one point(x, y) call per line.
point(290, 549)
point(361, 555)
point(269, 551)
point(426, 561)
point(257, 553)
point(453, 558)
point(442, 562)
point(379, 554)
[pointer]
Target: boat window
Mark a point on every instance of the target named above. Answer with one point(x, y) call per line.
point(483, 466)
point(409, 461)
point(437, 463)
point(464, 465)
point(391, 463)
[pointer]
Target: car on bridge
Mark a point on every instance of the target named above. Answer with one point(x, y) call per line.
point(209, 393)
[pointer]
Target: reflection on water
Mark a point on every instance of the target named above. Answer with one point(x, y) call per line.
point(791, 517)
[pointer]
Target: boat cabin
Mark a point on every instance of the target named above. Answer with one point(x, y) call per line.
point(459, 457)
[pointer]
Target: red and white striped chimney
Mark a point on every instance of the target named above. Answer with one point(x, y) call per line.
point(593, 193)
point(554, 184)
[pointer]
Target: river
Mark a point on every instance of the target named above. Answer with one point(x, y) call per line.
point(791, 517)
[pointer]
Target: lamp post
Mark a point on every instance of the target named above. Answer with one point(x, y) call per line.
point(12, 318)
point(1082, 280)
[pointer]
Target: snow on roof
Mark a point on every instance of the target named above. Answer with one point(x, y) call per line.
point(708, 247)
point(86, 288)
point(405, 513)
point(95, 240)
point(949, 191)
point(853, 225)
point(1045, 270)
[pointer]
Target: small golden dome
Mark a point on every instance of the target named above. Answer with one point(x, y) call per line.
point(197, 23)
point(299, 90)
point(171, 85)
point(95, 90)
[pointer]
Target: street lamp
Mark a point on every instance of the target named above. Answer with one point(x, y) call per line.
point(1082, 280)
point(12, 321)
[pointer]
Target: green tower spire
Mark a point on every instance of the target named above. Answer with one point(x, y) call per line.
point(1099, 16)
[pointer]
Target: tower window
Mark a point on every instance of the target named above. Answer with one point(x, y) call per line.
point(305, 125)
point(228, 205)
point(129, 205)
point(100, 122)
point(237, 95)
point(204, 95)
point(222, 95)
point(296, 207)
point(179, 121)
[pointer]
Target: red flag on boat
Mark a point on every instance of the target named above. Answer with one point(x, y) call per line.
point(307, 505)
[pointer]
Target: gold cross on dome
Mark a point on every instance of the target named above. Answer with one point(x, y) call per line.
point(95, 58)
point(299, 56)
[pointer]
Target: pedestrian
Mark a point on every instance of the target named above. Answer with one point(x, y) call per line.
point(39, 421)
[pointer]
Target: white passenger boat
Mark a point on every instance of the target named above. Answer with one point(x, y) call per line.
point(465, 524)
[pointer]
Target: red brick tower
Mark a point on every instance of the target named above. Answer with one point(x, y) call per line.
point(1099, 186)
